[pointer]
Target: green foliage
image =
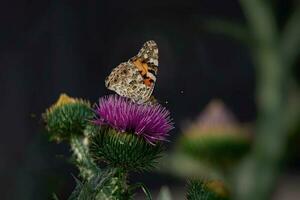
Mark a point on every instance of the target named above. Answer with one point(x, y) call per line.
point(123, 150)
point(198, 190)
point(218, 150)
point(274, 51)
point(228, 28)
point(66, 120)
point(108, 185)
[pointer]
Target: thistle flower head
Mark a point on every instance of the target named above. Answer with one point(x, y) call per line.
point(216, 137)
point(215, 119)
point(68, 116)
point(152, 122)
point(63, 100)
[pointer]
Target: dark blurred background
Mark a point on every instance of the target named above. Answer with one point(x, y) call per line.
point(49, 47)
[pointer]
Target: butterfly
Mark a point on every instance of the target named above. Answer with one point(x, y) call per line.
point(135, 79)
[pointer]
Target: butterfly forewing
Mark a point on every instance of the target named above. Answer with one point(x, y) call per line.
point(149, 53)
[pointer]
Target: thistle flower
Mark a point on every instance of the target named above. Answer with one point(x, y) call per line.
point(152, 122)
point(128, 135)
point(215, 120)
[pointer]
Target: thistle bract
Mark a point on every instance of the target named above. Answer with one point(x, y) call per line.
point(123, 150)
point(152, 122)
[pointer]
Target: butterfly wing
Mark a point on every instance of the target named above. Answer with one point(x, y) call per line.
point(127, 81)
point(136, 78)
point(149, 53)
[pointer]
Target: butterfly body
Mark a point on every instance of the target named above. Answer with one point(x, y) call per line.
point(136, 78)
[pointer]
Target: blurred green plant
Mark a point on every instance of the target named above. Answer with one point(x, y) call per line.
point(221, 152)
point(216, 138)
point(209, 149)
point(274, 53)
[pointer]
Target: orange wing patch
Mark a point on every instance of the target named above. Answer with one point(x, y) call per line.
point(148, 82)
point(142, 67)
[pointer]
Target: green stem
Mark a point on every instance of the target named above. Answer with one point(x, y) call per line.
point(86, 166)
point(228, 28)
point(116, 187)
point(257, 175)
point(290, 42)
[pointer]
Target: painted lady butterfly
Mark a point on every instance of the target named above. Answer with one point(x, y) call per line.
point(136, 78)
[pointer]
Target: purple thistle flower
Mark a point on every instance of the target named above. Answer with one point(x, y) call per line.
point(152, 122)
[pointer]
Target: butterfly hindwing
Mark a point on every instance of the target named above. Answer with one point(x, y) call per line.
point(136, 78)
